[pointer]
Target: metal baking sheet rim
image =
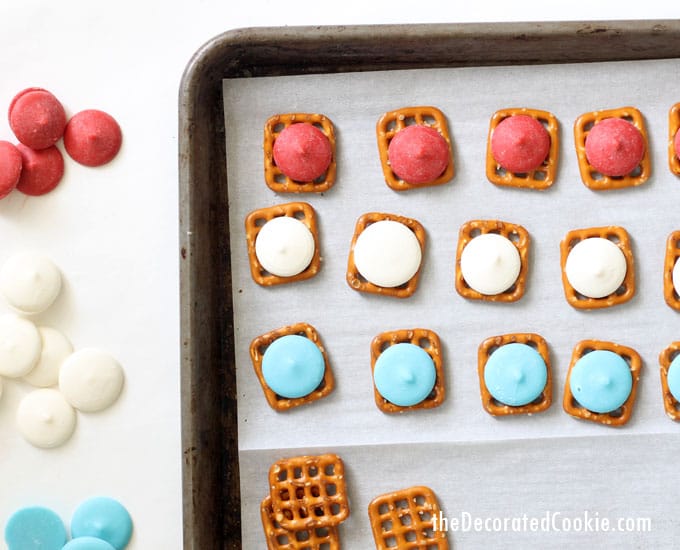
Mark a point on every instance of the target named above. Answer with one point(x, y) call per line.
point(211, 501)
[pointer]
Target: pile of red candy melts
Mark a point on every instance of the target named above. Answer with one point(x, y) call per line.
point(35, 165)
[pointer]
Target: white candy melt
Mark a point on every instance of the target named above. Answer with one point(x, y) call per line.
point(45, 419)
point(284, 246)
point(20, 346)
point(90, 379)
point(676, 276)
point(490, 264)
point(387, 254)
point(30, 282)
point(595, 267)
point(55, 349)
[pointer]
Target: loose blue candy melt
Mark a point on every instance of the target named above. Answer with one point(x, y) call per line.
point(35, 528)
point(103, 518)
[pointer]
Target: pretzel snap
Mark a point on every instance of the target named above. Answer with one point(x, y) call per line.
point(487, 347)
point(358, 282)
point(670, 403)
point(619, 236)
point(257, 349)
point(673, 127)
point(614, 418)
point(406, 519)
point(308, 492)
point(590, 176)
point(278, 181)
point(254, 223)
point(392, 122)
point(279, 538)
point(672, 256)
point(516, 234)
point(539, 178)
point(430, 343)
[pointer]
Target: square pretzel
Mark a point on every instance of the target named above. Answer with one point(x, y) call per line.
point(517, 235)
point(672, 256)
point(622, 414)
point(257, 349)
point(670, 403)
point(591, 177)
point(358, 282)
point(278, 181)
point(539, 178)
point(308, 539)
point(487, 347)
point(406, 519)
point(619, 236)
point(430, 343)
point(392, 122)
point(308, 492)
point(254, 223)
point(673, 127)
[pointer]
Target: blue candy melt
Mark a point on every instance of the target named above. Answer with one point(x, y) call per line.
point(103, 518)
point(404, 374)
point(673, 378)
point(515, 374)
point(293, 366)
point(88, 543)
point(601, 381)
point(35, 528)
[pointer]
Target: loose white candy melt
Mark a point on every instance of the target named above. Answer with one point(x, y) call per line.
point(30, 282)
point(91, 379)
point(595, 267)
point(490, 264)
point(20, 346)
point(55, 349)
point(284, 246)
point(387, 254)
point(45, 418)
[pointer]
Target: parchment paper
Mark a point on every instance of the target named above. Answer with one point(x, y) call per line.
point(457, 439)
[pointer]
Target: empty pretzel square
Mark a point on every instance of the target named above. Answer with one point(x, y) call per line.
point(259, 346)
point(615, 418)
point(392, 122)
point(258, 218)
point(670, 403)
point(308, 492)
point(590, 176)
point(672, 256)
point(278, 181)
point(617, 235)
point(279, 538)
point(487, 348)
point(407, 519)
point(517, 235)
point(673, 127)
point(424, 339)
point(358, 282)
point(539, 178)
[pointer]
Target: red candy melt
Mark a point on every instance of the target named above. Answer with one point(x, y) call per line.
point(42, 170)
point(302, 152)
point(418, 154)
point(37, 118)
point(92, 138)
point(10, 167)
point(614, 147)
point(520, 143)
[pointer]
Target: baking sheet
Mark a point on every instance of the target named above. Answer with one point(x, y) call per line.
point(347, 320)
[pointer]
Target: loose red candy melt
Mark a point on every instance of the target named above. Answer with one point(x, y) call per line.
point(614, 147)
point(42, 170)
point(10, 167)
point(92, 137)
point(418, 154)
point(520, 143)
point(37, 118)
point(302, 152)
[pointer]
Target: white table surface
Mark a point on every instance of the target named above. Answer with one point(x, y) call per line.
point(114, 230)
